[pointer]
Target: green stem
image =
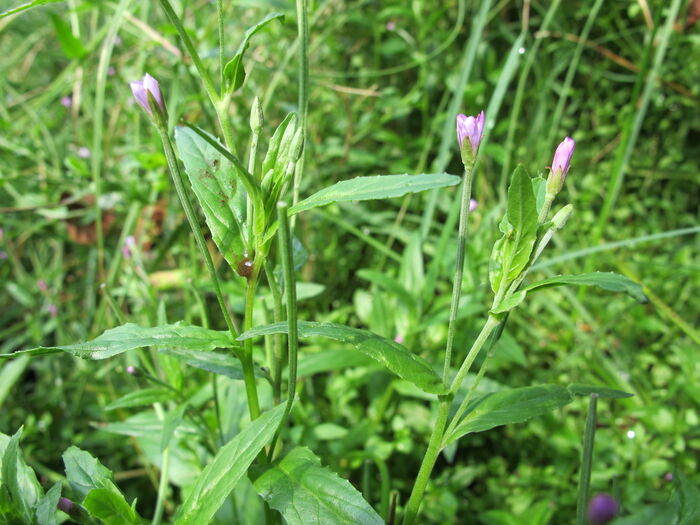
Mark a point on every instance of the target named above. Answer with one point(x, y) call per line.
point(459, 265)
point(220, 13)
point(426, 467)
point(303, 31)
point(495, 336)
point(286, 256)
point(275, 363)
point(584, 480)
point(162, 487)
point(250, 210)
point(203, 73)
point(194, 225)
point(489, 326)
point(247, 355)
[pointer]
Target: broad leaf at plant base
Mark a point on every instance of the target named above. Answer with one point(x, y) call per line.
point(390, 354)
point(222, 473)
point(304, 492)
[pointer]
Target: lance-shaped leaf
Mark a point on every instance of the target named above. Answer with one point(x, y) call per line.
point(390, 354)
point(509, 406)
point(600, 391)
point(216, 182)
point(304, 492)
point(139, 398)
point(234, 73)
point(511, 253)
point(110, 508)
point(375, 187)
point(25, 6)
point(610, 281)
point(131, 336)
point(222, 473)
point(18, 479)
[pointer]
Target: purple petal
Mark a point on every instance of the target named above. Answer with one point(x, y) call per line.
point(151, 84)
point(461, 129)
point(562, 156)
point(141, 95)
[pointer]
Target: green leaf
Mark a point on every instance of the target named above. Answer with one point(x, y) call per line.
point(145, 396)
point(172, 421)
point(72, 47)
point(46, 508)
point(234, 72)
point(688, 496)
point(225, 365)
point(304, 492)
point(110, 507)
point(330, 359)
point(222, 473)
point(510, 406)
point(539, 188)
point(19, 479)
point(510, 302)
point(85, 472)
point(27, 5)
point(390, 354)
point(215, 181)
point(603, 392)
point(610, 281)
point(131, 336)
point(375, 187)
point(512, 252)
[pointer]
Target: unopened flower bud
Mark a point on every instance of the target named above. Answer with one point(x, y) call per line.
point(473, 205)
point(602, 509)
point(297, 146)
point(560, 165)
point(147, 93)
point(256, 117)
point(471, 128)
point(560, 218)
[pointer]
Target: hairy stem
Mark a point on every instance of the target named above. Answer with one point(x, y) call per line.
point(459, 266)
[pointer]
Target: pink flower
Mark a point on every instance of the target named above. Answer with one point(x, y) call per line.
point(390, 25)
point(473, 204)
point(471, 128)
point(66, 102)
point(52, 309)
point(399, 339)
point(562, 157)
point(41, 284)
point(83, 153)
point(142, 88)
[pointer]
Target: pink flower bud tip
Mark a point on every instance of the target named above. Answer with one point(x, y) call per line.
point(390, 25)
point(141, 89)
point(473, 204)
point(562, 156)
point(52, 309)
point(471, 128)
point(399, 339)
point(66, 102)
point(41, 284)
point(130, 370)
point(83, 153)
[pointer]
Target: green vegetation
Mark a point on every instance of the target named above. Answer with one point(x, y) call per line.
point(151, 281)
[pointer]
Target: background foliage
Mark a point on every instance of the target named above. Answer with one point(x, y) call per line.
point(384, 76)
